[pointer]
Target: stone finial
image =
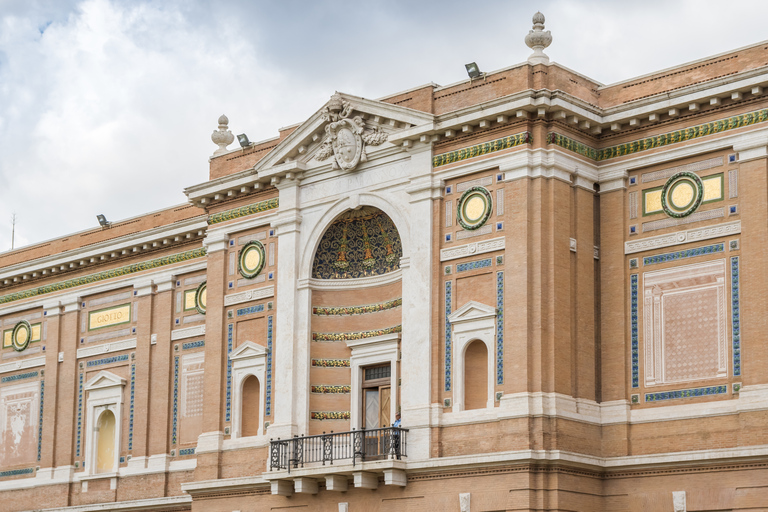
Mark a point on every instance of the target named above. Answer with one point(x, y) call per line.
point(222, 137)
point(537, 40)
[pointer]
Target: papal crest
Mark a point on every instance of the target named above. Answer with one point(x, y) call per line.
point(347, 136)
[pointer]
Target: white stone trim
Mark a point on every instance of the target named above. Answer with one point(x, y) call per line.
point(249, 295)
point(367, 352)
point(104, 392)
point(188, 332)
point(23, 364)
point(146, 504)
point(351, 284)
point(106, 348)
point(682, 237)
point(473, 248)
point(249, 359)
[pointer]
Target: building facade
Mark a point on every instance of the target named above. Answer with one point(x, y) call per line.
point(559, 285)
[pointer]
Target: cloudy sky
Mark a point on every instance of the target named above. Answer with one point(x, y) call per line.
point(107, 106)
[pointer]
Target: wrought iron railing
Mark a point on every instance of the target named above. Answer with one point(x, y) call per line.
point(363, 444)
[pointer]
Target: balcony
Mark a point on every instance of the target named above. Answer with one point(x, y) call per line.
point(296, 464)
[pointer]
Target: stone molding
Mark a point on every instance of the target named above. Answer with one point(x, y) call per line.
point(187, 332)
point(249, 295)
point(473, 248)
point(683, 237)
point(106, 348)
point(351, 284)
point(32, 362)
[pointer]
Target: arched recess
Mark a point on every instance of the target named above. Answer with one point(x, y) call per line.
point(105, 442)
point(250, 407)
point(475, 375)
point(472, 323)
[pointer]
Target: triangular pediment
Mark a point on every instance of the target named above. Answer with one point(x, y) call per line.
point(300, 150)
point(104, 379)
point(248, 350)
point(472, 310)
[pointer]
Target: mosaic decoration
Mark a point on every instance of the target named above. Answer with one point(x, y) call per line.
point(21, 336)
point(268, 411)
point(665, 139)
point(633, 263)
point(331, 389)
point(735, 322)
point(193, 344)
point(345, 336)
point(688, 253)
point(230, 339)
point(474, 265)
point(251, 259)
point(19, 376)
point(107, 274)
point(250, 209)
point(358, 243)
point(634, 332)
point(250, 310)
point(330, 363)
point(356, 310)
point(40, 422)
point(108, 360)
point(682, 194)
point(448, 343)
point(201, 297)
point(499, 327)
point(17, 472)
point(329, 415)
point(685, 393)
point(482, 149)
point(186, 451)
point(474, 208)
point(79, 415)
point(130, 409)
point(175, 421)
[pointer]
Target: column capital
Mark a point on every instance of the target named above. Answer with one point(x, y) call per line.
point(216, 241)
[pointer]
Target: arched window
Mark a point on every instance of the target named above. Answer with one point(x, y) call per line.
point(105, 443)
point(251, 408)
point(476, 376)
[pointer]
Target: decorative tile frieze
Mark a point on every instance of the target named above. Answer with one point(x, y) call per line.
point(663, 174)
point(345, 336)
point(735, 321)
point(193, 344)
point(499, 327)
point(268, 408)
point(131, 407)
point(236, 213)
point(16, 472)
point(230, 341)
point(482, 149)
point(331, 389)
point(175, 416)
point(40, 422)
point(108, 360)
point(687, 253)
point(634, 331)
point(474, 265)
point(682, 237)
point(250, 310)
point(78, 430)
point(186, 451)
point(473, 248)
point(19, 376)
point(665, 139)
point(655, 225)
point(356, 310)
point(329, 415)
point(448, 342)
point(107, 274)
point(330, 363)
point(685, 393)
point(249, 295)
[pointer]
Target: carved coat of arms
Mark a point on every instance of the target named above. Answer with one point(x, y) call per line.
point(347, 136)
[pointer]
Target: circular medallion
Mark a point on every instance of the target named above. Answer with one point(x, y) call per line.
point(474, 208)
point(21, 335)
point(682, 194)
point(200, 297)
point(250, 261)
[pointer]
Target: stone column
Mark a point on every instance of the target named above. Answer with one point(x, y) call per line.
point(291, 337)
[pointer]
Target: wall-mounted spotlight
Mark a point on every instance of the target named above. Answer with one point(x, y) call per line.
point(103, 222)
point(243, 140)
point(473, 71)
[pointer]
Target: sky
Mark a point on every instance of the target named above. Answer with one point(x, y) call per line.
point(107, 106)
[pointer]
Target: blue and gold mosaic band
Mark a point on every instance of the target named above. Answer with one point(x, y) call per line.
point(250, 260)
point(201, 296)
point(21, 336)
point(474, 208)
point(682, 194)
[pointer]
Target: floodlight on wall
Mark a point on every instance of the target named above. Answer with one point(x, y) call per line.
point(243, 140)
point(103, 222)
point(473, 71)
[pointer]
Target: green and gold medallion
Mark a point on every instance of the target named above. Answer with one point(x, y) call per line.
point(474, 208)
point(21, 335)
point(682, 194)
point(200, 297)
point(250, 261)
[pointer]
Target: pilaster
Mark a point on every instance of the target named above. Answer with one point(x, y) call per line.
point(66, 397)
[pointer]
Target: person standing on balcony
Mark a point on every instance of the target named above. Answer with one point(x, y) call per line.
point(396, 436)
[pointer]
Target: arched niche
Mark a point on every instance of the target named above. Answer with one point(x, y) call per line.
point(104, 418)
point(248, 375)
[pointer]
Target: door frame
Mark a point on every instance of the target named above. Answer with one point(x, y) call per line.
point(371, 352)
